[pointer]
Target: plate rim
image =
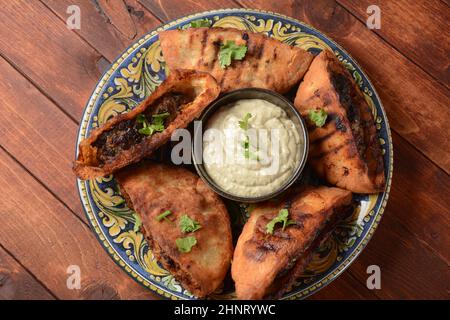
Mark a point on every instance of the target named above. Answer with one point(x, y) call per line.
point(156, 289)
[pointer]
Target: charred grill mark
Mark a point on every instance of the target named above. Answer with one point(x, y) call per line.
point(350, 99)
point(339, 124)
point(216, 45)
point(287, 204)
point(245, 36)
point(323, 138)
point(204, 42)
point(346, 172)
point(223, 77)
point(344, 88)
point(259, 49)
point(335, 150)
point(300, 218)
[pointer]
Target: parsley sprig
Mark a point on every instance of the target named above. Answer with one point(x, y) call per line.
point(318, 117)
point(187, 224)
point(231, 51)
point(164, 216)
point(157, 124)
point(185, 244)
point(243, 124)
point(282, 217)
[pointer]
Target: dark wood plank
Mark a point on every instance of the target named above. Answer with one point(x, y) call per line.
point(409, 270)
point(47, 238)
point(419, 198)
point(431, 241)
point(108, 26)
point(56, 59)
point(39, 135)
point(417, 108)
point(411, 243)
point(16, 283)
point(168, 10)
point(418, 29)
point(345, 287)
point(44, 151)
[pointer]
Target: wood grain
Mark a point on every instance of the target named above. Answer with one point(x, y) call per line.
point(417, 108)
point(345, 287)
point(53, 57)
point(16, 283)
point(47, 238)
point(39, 135)
point(411, 242)
point(418, 29)
point(58, 68)
point(428, 236)
point(168, 10)
point(108, 26)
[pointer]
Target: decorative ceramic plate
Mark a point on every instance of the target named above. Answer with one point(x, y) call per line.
point(134, 75)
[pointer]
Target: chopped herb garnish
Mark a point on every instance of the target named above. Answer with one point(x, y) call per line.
point(281, 218)
point(243, 124)
point(137, 222)
point(185, 244)
point(231, 51)
point(199, 23)
point(164, 216)
point(157, 124)
point(318, 117)
point(188, 225)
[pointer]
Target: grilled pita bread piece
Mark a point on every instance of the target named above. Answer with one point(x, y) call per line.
point(119, 142)
point(345, 150)
point(268, 63)
point(152, 189)
point(266, 265)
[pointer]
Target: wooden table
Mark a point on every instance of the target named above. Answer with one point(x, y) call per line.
point(47, 73)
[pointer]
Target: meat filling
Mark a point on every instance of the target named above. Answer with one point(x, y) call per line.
point(126, 134)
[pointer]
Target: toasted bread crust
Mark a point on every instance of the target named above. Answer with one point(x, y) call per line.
point(266, 265)
point(346, 150)
point(151, 189)
point(201, 86)
point(268, 63)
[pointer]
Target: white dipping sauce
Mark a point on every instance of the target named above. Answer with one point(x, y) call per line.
point(274, 148)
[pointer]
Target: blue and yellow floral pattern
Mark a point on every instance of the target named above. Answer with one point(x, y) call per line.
point(134, 75)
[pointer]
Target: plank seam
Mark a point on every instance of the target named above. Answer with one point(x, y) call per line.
point(75, 32)
point(443, 85)
point(373, 292)
point(45, 186)
point(29, 272)
point(31, 81)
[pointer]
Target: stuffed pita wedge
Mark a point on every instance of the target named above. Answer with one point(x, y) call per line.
point(345, 150)
point(185, 222)
point(129, 137)
point(268, 259)
point(268, 63)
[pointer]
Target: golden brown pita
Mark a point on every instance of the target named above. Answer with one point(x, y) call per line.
point(346, 150)
point(267, 265)
point(268, 63)
point(151, 189)
point(116, 144)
